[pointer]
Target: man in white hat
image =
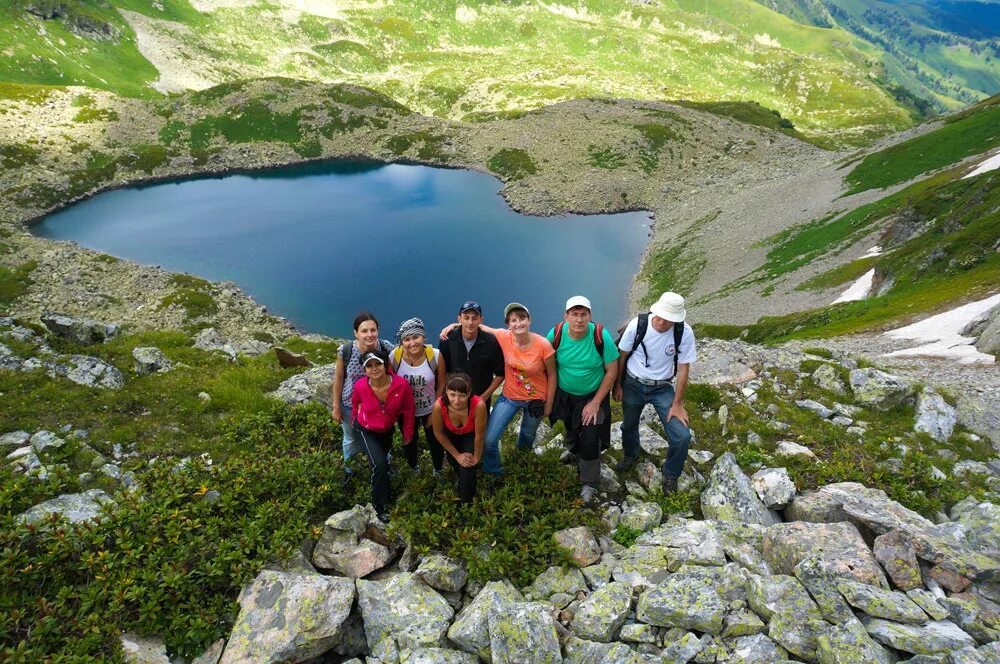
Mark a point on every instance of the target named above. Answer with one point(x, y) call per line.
point(657, 352)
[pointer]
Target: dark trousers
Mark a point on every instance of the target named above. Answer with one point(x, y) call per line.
point(376, 445)
point(466, 476)
point(585, 441)
point(412, 451)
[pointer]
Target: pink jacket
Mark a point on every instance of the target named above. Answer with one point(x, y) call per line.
point(372, 414)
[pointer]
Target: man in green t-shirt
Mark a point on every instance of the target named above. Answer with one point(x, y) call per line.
point(586, 376)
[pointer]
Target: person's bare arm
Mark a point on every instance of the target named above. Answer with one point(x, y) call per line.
point(589, 415)
point(617, 392)
point(480, 432)
point(553, 384)
point(448, 328)
point(337, 390)
point(437, 424)
point(442, 372)
point(680, 385)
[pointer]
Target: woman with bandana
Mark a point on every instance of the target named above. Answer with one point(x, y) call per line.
point(423, 367)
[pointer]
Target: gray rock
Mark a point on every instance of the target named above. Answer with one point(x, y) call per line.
point(975, 614)
point(524, 633)
point(143, 649)
point(288, 617)
point(212, 654)
point(879, 390)
point(609, 480)
point(756, 649)
point(840, 546)
point(651, 442)
point(826, 377)
point(787, 448)
point(849, 643)
point(769, 596)
point(742, 622)
point(682, 541)
point(439, 656)
point(603, 612)
point(744, 544)
point(93, 372)
point(898, 558)
point(81, 330)
point(470, 631)
point(815, 574)
point(210, 340)
point(934, 416)
point(599, 574)
point(816, 407)
point(880, 603)
point(149, 360)
point(989, 339)
point(360, 560)
point(685, 601)
point(981, 523)
point(581, 651)
point(43, 440)
point(443, 573)
point(554, 580)
point(14, 439)
point(682, 650)
point(405, 609)
point(730, 496)
point(701, 457)
point(638, 633)
point(641, 516)
point(312, 385)
point(928, 602)
point(642, 566)
point(935, 637)
point(774, 486)
point(579, 545)
point(76, 507)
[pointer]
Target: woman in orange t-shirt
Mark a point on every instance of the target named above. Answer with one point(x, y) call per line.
point(529, 384)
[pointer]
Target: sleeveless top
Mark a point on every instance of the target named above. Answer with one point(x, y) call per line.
point(422, 381)
point(470, 421)
point(353, 369)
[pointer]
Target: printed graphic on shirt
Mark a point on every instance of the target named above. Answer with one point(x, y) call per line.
point(524, 381)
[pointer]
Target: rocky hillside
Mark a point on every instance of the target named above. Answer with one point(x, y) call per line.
point(829, 511)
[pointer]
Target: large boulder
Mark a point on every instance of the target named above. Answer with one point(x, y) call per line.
point(92, 372)
point(442, 573)
point(730, 496)
point(880, 390)
point(794, 619)
point(683, 600)
point(756, 649)
point(470, 631)
point(641, 516)
point(981, 525)
point(311, 385)
point(81, 330)
point(76, 507)
point(603, 612)
point(566, 580)
point(840, 545)
point(935, 416)
point(774, 486)
point(404, 609)
point(881, 603)
point(288, 617)
point(850, 643)
point(344, 547)
point(642, 565)
point(827, 377)
point(682, 541)
point(898, 558)
point(524, 633)
point(936, 637)
point(579, 545)
point(989, 338)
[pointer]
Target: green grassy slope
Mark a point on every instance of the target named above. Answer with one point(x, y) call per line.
point(459, 61)
point(944, 52)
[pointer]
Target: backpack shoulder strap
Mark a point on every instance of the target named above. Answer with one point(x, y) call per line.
point(599, 340)
point(396, 357)
point(431, 357)
point(346, 350)
point(640, 330)
point(678, 335)
point(557, 337)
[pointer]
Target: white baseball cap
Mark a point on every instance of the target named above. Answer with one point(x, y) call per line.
point(670, 307)
point(577, 301)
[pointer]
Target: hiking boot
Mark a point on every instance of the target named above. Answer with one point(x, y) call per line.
point(626, 463)
point(588, 495)
point(383, 516)
point(669, 485)
point(569, 458)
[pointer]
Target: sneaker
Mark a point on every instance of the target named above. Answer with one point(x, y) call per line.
point(669, 485)
point(626, 463)
point(588, 495)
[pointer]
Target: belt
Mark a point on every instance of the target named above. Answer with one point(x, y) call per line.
point(648, 382)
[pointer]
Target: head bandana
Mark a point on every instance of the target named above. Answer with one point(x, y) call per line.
point(410, 327)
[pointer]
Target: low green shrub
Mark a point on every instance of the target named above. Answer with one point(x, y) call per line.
point(512, 164)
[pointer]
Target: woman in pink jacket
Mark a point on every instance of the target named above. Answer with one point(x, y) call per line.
point(379, 400)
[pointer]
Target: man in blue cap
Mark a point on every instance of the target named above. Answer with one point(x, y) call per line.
point(473, 351)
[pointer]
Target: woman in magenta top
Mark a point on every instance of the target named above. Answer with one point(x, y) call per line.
point(380, 400)
point(459, 423)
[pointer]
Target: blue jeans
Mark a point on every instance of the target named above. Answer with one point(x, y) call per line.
point(503, 412)
point(635, 396)
point(350, 444)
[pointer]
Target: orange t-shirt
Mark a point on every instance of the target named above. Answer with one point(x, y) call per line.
point(524, 376)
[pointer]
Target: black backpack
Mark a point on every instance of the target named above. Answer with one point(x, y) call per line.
point(640, 334)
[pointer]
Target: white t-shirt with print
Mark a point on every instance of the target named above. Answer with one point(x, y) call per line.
point(422, 381)
point(659, 365)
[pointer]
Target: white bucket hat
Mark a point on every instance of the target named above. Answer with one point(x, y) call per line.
point(670, 307)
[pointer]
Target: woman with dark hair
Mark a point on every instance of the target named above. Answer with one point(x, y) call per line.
point(378, 401)
point(347, 373)
point(459, 423)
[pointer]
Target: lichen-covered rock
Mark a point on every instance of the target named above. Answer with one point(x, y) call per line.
point(149, 360)
point(579, 545)
point(442, 573)
point(982, 527)
point(81, 330)
point(729, 496)
point(603, 612)
point(14, 439)
point(928, 602)
point(438, 656)
point(641, 516)
point(879, 390)
point(288, 617)
point(774, 486)
point(143, 649)
point(43, 440)
point(524, 633)
point(844, 552)
point(880, 603)
point(815, 407)
point(599, 573)
point(313, 385)
point(405, 609)
point(685, 601)
point(898, 558)
point(581, 651)
point(771, 595)
point(212, 654)
point(742, 623)
point(934, 416)
point(815, 574)
point(638, 633)
point(975, 614)
point(799, 635)
point(787, 448)
point(93, 372)
point(642, 566)
point(826, 377)
point(744, 544)
point(76, 507)
point(686, 542)
point(849, 643)
point(554, 580)
point(941, 636)
point(756, 649)
point(682, 650)
point(470, 631)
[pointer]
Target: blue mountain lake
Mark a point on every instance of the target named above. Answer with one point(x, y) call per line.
point(319, 243)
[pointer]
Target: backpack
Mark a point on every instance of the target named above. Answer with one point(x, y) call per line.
point(348, 348)
point(397, 357)
point(640, 333)
point(598, 337)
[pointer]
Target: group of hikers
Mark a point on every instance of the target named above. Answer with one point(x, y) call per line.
point(569, 375)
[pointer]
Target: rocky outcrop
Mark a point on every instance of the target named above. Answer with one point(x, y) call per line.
point(149, 360)
point(880, 390)
point(76, 507)
point(403, 613)
point(730, 496)
point(80, 330)
point(311, 385)
point(935, 416)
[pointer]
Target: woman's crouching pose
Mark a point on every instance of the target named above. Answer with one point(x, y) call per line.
point(459, 422)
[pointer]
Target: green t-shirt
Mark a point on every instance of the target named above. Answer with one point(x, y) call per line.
point(580, 368)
